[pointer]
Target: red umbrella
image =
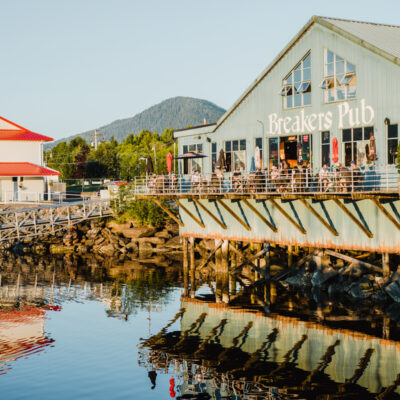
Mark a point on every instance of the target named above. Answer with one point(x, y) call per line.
point(335, 150)
point(169, 162)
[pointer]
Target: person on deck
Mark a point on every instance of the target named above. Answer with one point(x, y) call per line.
point(237, 180)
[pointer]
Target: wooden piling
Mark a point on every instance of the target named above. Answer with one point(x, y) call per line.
point(290, 255)
point(385, 265)
point(185, 267)
point(192, 268)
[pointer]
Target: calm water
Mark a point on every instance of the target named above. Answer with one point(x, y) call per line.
point(73, 329)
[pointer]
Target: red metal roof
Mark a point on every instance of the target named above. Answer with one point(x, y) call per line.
point(25, 169)
point(16, 132)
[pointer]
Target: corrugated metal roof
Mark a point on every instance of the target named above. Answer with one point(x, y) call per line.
point(384, 37)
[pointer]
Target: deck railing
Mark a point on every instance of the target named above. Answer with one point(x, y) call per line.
point(383, 179)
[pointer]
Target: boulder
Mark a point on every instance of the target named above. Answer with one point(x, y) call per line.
point(92, 233)
point(152, 240)
point(145, 249)
point(393, 290)
point(138, 232)
point(361, 289)
point(163, 234)
point(323, 276)
point(173, 228)
point(118, 228)
point(174, 242)
point(107, 250)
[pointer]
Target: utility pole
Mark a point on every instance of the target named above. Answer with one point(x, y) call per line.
point(97, 136)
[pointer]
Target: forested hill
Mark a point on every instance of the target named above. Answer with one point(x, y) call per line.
point(177, 112)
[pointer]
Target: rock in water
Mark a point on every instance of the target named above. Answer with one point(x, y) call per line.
point(323, 276)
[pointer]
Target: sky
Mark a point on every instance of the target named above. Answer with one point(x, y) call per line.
point(74, 65)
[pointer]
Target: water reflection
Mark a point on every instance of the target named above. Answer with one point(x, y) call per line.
point(233, 353)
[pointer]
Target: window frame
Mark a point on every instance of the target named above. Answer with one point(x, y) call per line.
point(363, 141)
point(333, 84)
point(391, 139)
point(189, 164)
point(290, 85)
point(238, 151)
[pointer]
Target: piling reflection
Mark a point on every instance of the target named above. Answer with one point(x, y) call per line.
point(230, 352)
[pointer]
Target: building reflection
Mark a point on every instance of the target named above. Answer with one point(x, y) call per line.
point(231, 352)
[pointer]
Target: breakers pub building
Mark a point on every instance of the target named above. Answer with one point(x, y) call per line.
point(337, 83)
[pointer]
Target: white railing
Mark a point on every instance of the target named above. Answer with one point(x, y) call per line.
point(8, 196)
point(337, 180)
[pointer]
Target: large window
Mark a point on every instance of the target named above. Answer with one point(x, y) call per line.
point(339, 78)
point(325, 148)
point(296, 88)
point(259, 144)
point(290, 151)
point(393, 142)
point(356, 145)
point(235, 154)
point(190, 165)
point(213, 156)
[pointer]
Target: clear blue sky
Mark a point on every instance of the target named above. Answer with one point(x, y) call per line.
point(74, 65)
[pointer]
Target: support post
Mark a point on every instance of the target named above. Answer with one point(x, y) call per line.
point(165, 209)
point(185, 267)
point(290, 219)
point(189, 213)
point(207, 211)
point(192, 268)
point(234, 215)
point(353, 218)
point(385, 265)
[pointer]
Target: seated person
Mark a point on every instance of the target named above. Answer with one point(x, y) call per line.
point(355, 175)
point(324, 179)
point(237, 180)
point(196, 180)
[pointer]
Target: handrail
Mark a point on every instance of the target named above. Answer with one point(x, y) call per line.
point(296, 181)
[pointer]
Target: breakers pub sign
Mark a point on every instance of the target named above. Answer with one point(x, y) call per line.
point(346, 116)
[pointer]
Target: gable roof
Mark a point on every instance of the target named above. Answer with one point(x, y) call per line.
point(25, 169)
point(11, 131)
point(381, 39)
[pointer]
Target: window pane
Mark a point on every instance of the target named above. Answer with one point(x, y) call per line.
point(307, 74)
point(239, 158)
point(325, 155)
point(259, 143)
point(243, 144)
point(228, 146)
point(330, 69)
point(341, 94)
point(392, 131)
point(235, 145)
point(185, 149)
point(346, 135)
point(192, 147)
point(297, 76)
point(213, 162)
point(325, 137)
point(289, 102)
point(213, 147)
point(340, 67)
point(330, 57)
point(338, 58)
point(228, 161)
point(273, 152)
point(199, 148)
point(307, 62)
point(367, 132)
point(289, 79)
point(307, 99)
point(297, 100)
point(350, 67)
point(392, 151)
point(357, 134)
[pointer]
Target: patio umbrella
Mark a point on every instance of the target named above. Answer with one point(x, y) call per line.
point(335, 150)
point(257, 158)
point(149, 166)
point(221, 160)
point(169, 162)
point(252, 165)
point(189, 155)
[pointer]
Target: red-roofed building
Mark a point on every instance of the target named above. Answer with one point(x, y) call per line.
point(23, 176)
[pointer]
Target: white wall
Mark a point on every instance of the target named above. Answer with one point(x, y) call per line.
point(20, 151)
point(32, 189)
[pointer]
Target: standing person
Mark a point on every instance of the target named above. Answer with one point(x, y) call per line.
point(196, 180)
